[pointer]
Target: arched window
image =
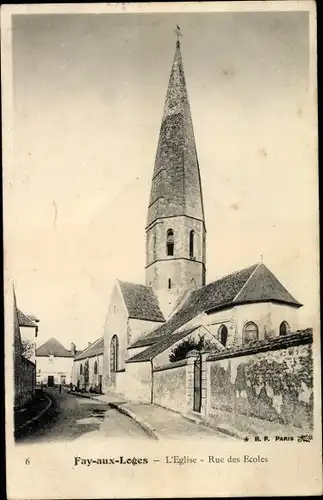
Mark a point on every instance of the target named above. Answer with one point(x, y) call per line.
point(170, 242)
point(223, 334)
point(114, 354)
point(95, 368)
point(284, 328)
point(250, 333)
point(169, 283)
point(191, 244)
point(81, 369)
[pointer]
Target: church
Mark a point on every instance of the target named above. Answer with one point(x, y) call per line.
point(146, 321)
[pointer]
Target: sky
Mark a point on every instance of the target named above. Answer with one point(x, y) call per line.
point(88, 97)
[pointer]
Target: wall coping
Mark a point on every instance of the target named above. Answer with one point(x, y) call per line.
point(300, 337)
point(174, 364)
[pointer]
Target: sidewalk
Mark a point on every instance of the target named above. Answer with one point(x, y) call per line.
point(167, 424)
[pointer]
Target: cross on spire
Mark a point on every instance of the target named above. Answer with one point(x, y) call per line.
point(178, 33)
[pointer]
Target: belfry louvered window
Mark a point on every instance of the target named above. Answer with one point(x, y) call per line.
point(191, 244)
point(170, 242)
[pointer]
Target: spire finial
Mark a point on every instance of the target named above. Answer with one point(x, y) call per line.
point(178, 34)
point(261, 258)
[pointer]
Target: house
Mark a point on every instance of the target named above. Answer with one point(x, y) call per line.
point(54, 363)
point(24, 369)
point(28, 325)
point(88, 367)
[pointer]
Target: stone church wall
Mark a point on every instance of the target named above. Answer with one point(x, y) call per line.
point(116, 324)
point(272, 383)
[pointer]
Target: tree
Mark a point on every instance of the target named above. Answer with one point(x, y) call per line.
point(27, 348)
point(181, 350)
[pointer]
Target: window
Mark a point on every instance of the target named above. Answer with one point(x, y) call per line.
point(191, 244)
point(81, 369)
point(95, 368)
point(114, 354)
point(284, 328)
point(170, 242)
point(250, 333)
point(223, 334)
point(51, 358)
point(169, 283)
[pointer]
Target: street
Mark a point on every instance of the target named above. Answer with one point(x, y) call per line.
point(71, 417)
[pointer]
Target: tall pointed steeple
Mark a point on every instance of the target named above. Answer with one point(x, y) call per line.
point(175, 222)
point(176, 186)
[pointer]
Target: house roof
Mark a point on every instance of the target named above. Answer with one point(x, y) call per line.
point(161, 345)
point(55, 348)
point(25, 320)
point(253, 284)
point(97, 347)
point(141, 302)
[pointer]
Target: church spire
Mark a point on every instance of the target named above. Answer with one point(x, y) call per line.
point(176, 186)
point(175, 222)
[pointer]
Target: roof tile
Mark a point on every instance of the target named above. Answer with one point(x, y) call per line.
point(141, 302)
point(96, 348)
point(55, 348)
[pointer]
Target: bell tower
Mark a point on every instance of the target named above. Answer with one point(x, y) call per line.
point(175, 230)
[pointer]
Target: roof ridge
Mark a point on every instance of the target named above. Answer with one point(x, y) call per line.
point(48, 340)
point(226, 276)
point(247, 281)
point(91, 345)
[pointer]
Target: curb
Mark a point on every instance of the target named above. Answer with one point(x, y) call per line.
point(148, 428)
point(80, 395)
point(37, 417)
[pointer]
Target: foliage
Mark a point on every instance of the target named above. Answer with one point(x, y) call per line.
point(27, 348)
point(181, 350)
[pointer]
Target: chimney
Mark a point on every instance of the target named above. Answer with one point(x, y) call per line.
point(73, 348)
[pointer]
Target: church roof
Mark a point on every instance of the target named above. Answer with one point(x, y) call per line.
point(96, 348)
point(55, 348)
point(176, 186)
point(25, 320)
point(141, 302)
point(161, 345)
point(253, 284)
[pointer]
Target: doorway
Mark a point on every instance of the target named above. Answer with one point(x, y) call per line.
point(50, 381)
